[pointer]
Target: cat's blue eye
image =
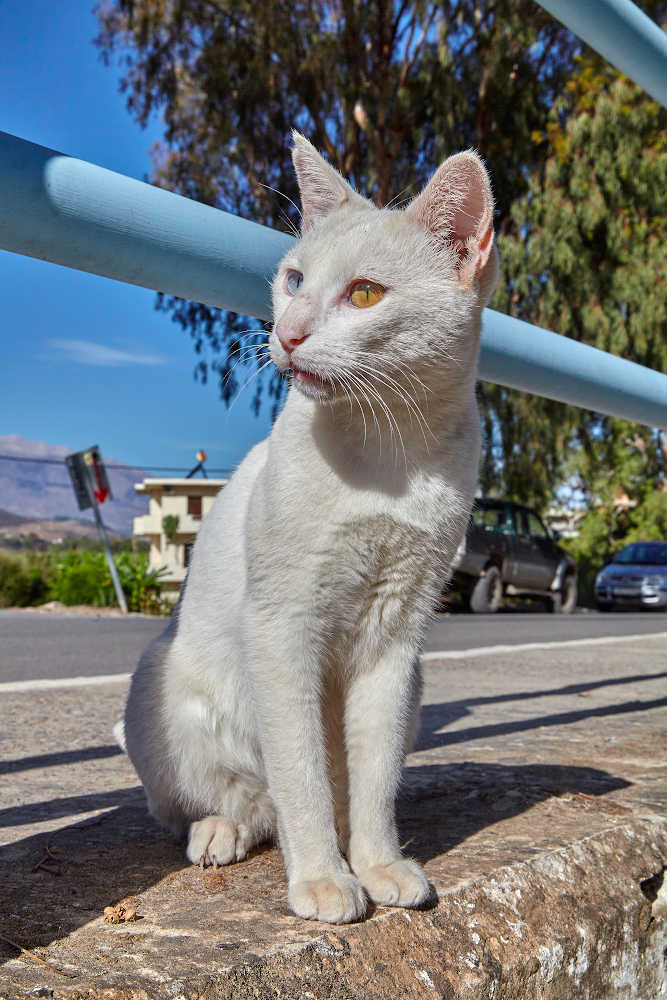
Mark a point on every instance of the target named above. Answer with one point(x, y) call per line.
point(293, 282)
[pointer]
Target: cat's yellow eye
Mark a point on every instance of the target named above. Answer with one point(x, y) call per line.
point(366, 293)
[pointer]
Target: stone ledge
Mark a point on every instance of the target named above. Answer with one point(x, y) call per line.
point(540, 775)
point(588, 920)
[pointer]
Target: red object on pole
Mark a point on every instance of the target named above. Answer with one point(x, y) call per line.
point(102, 492)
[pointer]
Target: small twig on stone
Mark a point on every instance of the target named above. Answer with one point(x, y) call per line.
point(45, 867)
point(24, 951)
point(86, 826)
point(50, 854)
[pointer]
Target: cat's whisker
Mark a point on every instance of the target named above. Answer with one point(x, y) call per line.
point(411, 404)
point(403, 368)
point(391, 420)
point(283, 195)
point(350, 392)
point(372, 409)
point(396, 197)
point(408, 372)
point(369, 403)
point(239, 361)
point(245, 384)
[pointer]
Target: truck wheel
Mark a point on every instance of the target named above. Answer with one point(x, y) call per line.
point(565, 601)
point(487, 593)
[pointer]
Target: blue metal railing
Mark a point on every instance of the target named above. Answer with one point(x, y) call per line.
point(623, 34)
point(69, 212)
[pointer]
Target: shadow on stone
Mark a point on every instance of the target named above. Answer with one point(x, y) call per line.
point(55, 759)
point(436, 717)
point(443, 805)
point(123, 853)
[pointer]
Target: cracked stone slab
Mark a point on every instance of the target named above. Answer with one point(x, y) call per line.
point(536, 800)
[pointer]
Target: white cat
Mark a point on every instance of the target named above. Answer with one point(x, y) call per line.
point(284, 695)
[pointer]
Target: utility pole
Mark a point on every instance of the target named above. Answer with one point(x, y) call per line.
point(120, 595)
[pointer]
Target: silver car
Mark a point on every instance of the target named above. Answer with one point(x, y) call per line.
point(637, 576)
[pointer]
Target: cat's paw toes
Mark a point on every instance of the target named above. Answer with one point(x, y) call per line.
point(338, 899)
point(402, 883)
point(216, 840)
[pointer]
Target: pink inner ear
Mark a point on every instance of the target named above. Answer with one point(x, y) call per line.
point(457, 206)
point(471, 215)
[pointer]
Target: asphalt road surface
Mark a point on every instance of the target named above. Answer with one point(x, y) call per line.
point(39, 646)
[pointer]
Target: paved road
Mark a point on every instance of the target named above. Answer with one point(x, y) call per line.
point(470, 631)
point(36, 646)
point(39, 645)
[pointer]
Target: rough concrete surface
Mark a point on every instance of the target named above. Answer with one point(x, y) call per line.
point(536, 798)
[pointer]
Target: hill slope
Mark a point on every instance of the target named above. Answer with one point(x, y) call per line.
point(44, 491)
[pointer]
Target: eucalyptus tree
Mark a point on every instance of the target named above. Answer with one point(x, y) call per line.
point(385, 88)
point(584, 253)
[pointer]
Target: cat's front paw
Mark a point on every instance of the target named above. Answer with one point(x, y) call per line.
point(402, 883)
point(216, 840)
point(338, 899)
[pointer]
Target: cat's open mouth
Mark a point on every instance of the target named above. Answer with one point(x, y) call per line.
point(309, 380)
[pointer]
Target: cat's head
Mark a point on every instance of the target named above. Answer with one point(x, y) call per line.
point(368, 296)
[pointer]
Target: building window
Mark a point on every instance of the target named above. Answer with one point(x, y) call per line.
point(187, 553)
point(194, 508)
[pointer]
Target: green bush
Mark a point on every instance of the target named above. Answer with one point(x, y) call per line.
point(81, 577)
point(141, 587)
point(22, 584)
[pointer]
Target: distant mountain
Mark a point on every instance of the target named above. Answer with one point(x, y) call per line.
point(9, 520)
point(15, 526)
point(45, 492)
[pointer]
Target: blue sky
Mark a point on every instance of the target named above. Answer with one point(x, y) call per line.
point(87, 360)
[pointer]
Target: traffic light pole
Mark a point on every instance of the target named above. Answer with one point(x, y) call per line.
point(120, 596)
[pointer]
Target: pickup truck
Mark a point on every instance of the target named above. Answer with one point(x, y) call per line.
point(507, 550)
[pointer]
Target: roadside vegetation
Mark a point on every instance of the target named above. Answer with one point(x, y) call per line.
point(76, 572)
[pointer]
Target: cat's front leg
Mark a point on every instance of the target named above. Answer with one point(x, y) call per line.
point(287, 693)
point(380, 722)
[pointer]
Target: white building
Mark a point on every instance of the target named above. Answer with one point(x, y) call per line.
point(176, 510)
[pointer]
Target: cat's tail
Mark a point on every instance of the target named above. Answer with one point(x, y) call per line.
point(119, 734)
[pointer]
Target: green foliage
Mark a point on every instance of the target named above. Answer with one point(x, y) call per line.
point(22, 583)
point(386, 90)
point(82, 577)
point(583, 254)
point(79, 576)
point(141, 587)
point(170, 527)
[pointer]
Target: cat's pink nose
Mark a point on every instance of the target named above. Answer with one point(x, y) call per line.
point(290, 338)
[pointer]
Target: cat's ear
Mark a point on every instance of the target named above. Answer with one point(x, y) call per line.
point(457, 206)
point(322, 188)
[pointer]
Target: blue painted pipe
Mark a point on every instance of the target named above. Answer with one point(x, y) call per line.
point(623, 34)
point(64, 210)
point(70, 212)
point(522, 356)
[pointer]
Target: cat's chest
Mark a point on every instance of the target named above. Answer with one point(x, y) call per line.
point(377, 553)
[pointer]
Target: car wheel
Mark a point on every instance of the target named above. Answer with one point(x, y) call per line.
point(565, 601)
point(487, 593)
